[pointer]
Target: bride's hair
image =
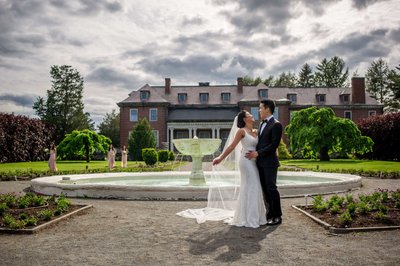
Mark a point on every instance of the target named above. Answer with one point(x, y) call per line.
point(240, 119)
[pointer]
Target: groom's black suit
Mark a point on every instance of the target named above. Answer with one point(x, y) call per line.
point(268, 163)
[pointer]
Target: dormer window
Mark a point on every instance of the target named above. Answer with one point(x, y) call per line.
point(225, 97)
point(292, 97)
point(345, 98)
point(182, 97)
point(203, 97)
point(263, 94)
point(144, 95)
point(321, 98)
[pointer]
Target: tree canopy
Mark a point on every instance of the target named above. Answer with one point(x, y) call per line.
point(384, 84)
point(331, 73)
point(64, 106)
point(109, 127)
point(314, 133)
point(82, 144)
point(140, 138)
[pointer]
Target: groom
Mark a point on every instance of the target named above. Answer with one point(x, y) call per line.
point(269, 137)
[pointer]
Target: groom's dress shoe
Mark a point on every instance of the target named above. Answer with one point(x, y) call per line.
point(275, 221)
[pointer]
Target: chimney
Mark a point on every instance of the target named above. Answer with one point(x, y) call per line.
point(167, 85)
point(358, 90)
point(240, 85)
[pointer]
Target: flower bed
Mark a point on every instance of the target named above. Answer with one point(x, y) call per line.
point(379, 210)
point(31, 212)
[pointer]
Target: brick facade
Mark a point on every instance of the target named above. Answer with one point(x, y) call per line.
point(213, 118)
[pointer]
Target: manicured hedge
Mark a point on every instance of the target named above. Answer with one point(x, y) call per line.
point(24, 139)
point(384, 130)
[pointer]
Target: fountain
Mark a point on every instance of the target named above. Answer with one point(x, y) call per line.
point(197, 149)
point(173, 185)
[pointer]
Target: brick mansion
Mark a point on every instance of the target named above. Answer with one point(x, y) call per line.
point(207, 111)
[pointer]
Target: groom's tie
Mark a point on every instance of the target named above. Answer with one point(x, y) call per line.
point(265, 121)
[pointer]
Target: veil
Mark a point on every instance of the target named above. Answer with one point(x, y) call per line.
point(224, 184)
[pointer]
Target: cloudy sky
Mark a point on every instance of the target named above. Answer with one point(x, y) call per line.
point(118, 46)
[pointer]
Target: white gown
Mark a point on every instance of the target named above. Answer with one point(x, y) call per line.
point(249, 210)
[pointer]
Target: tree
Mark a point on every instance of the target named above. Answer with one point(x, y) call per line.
point(306, 77)
point(140, 138)
point(377, 80)
point(269, 81)
point(248, 81)
point(82, 144)
point(24, 139)
point(63, 106)
point(393, 103)
point(330, 73)
point(286, 80)
point(109, 127)
point(314, 133)
point(384, 130)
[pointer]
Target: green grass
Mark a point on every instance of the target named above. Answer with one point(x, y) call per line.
point(61, 165)
point(344, 164)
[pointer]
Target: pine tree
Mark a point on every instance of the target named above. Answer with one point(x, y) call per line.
point(306, 77)
point(64, 106)
point(140, 138)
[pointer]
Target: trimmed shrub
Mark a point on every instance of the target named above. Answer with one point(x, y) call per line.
point(384, 130)
point(171, 156)
point(150, 156)
point(163, 156)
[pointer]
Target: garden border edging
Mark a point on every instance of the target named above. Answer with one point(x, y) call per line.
point(44, 225)
point(337, 230)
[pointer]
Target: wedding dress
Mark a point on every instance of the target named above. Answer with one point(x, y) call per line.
point(241, 203)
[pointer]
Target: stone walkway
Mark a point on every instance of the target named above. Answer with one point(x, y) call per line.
point(117, 232)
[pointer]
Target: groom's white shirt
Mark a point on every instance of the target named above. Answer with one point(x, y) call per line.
point(265, 124)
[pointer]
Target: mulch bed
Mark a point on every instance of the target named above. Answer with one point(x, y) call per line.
point(73, 209)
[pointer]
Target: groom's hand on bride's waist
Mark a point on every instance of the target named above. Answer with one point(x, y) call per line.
point(251, 154)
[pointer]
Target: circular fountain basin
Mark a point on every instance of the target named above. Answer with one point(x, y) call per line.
point(174, 185)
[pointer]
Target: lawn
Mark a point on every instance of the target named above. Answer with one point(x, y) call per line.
point(344, 164)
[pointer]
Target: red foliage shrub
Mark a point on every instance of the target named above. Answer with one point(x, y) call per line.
point(384, 130)
point(24, 139)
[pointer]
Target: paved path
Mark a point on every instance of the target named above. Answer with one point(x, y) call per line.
point(117, 232)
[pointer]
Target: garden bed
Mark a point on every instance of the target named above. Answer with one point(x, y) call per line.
point(31, 213)
point(377, 211)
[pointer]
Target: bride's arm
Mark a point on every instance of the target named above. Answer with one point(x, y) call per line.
point(239, 135)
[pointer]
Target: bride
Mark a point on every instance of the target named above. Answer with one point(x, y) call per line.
point(241, 204)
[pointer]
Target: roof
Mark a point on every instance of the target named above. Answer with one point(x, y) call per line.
point(305, 96)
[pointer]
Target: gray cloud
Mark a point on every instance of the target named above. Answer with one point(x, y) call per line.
point(202, 67)
point(110, 77)
point(353, 49)
point(192, 21)
point(360, 4)
point(25, 100)
point(87, 7)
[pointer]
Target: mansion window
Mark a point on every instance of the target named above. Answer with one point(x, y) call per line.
point(254, 112)
point(133, 115)
point(182, 97)
point(345, 98)
point(153, 114)
point(144, 95)
point(263, 94)
point(371, 112)
point(292, 97)
point(347, 114)
point(226, 97)
point(203, 97)
point(321, 98)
